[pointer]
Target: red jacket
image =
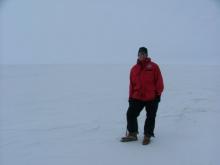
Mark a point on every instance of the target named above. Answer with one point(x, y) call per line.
point(146, 81)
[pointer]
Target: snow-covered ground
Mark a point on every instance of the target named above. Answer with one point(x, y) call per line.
point(75, 115)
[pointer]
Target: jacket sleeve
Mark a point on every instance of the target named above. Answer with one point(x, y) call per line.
point(130, 85)
point(159, 81)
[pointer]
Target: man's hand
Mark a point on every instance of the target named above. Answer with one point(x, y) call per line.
point(157, 99)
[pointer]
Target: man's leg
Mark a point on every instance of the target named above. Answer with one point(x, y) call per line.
point(151, 108)
point(134, 109)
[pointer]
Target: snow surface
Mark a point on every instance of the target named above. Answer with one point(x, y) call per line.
point(75, 114)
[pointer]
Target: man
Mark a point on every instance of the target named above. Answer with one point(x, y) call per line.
point(146, 87)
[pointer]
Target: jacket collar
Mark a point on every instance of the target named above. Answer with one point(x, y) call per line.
point(145, 62)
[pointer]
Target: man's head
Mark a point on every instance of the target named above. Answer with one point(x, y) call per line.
point(142, 53)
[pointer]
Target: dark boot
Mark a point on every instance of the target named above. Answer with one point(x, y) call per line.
point(130, 137)
point(146, 140)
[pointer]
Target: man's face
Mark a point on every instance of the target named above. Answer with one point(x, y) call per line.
point(142, 56)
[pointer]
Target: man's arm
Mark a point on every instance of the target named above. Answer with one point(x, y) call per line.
point(159, 81)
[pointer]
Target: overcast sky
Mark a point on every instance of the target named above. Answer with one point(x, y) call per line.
point(101, 31)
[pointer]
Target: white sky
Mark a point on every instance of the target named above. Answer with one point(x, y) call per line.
point(99, 31)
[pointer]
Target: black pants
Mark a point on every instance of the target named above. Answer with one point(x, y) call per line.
point(134, 109)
